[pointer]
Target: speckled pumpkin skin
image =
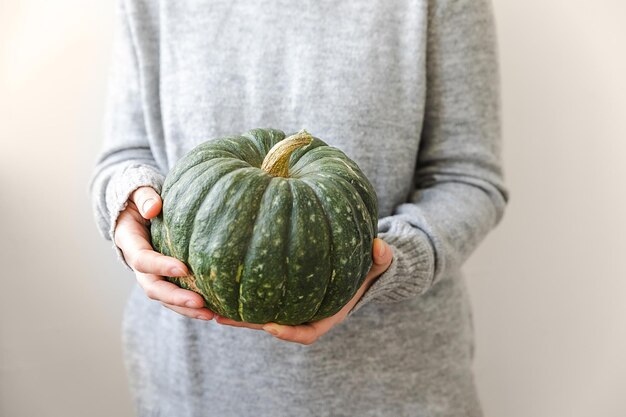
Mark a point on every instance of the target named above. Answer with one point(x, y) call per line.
point(263, 248)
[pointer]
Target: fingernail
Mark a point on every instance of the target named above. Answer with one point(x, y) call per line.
point(203, 318)
point(271, 330)
point(147, 205)
point(382, 248)
point(177, 272)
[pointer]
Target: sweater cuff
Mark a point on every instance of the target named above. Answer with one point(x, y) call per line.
point(412, 267)
point(123, 183)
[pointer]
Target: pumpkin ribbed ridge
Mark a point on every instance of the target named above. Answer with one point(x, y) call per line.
point(186, 212)
point(218, 235)
point(264, 273)
point(240, 301)
point(347, 267)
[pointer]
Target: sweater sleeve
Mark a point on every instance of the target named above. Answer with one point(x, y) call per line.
point(125, 162)
point(459, 194)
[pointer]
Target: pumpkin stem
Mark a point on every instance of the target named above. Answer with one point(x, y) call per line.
point(276, 162)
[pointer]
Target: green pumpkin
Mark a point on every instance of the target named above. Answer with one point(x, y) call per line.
point(272, 229)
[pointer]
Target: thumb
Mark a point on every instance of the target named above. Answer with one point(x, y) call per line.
point(148, 201)
point(381, 253)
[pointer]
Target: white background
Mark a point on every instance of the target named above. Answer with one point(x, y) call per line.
point(548, 286)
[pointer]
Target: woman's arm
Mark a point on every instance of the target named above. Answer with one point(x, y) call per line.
point(459, 193)
point(125, 162)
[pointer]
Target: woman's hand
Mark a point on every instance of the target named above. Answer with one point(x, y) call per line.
point(308, 333)
point(132, 236)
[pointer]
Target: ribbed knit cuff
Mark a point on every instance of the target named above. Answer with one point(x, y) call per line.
point(412, 268)
point(123, 183)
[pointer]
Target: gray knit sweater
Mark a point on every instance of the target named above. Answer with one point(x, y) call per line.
point(406, 88)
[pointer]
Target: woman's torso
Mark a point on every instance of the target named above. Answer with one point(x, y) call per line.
point(353, 74)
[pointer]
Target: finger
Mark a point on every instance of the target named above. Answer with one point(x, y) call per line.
point(381, 252)
point(305, 334)
point(230, 322)
point(166, 292)
point(148, 201)
point(151, 262)
point(192, 313)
